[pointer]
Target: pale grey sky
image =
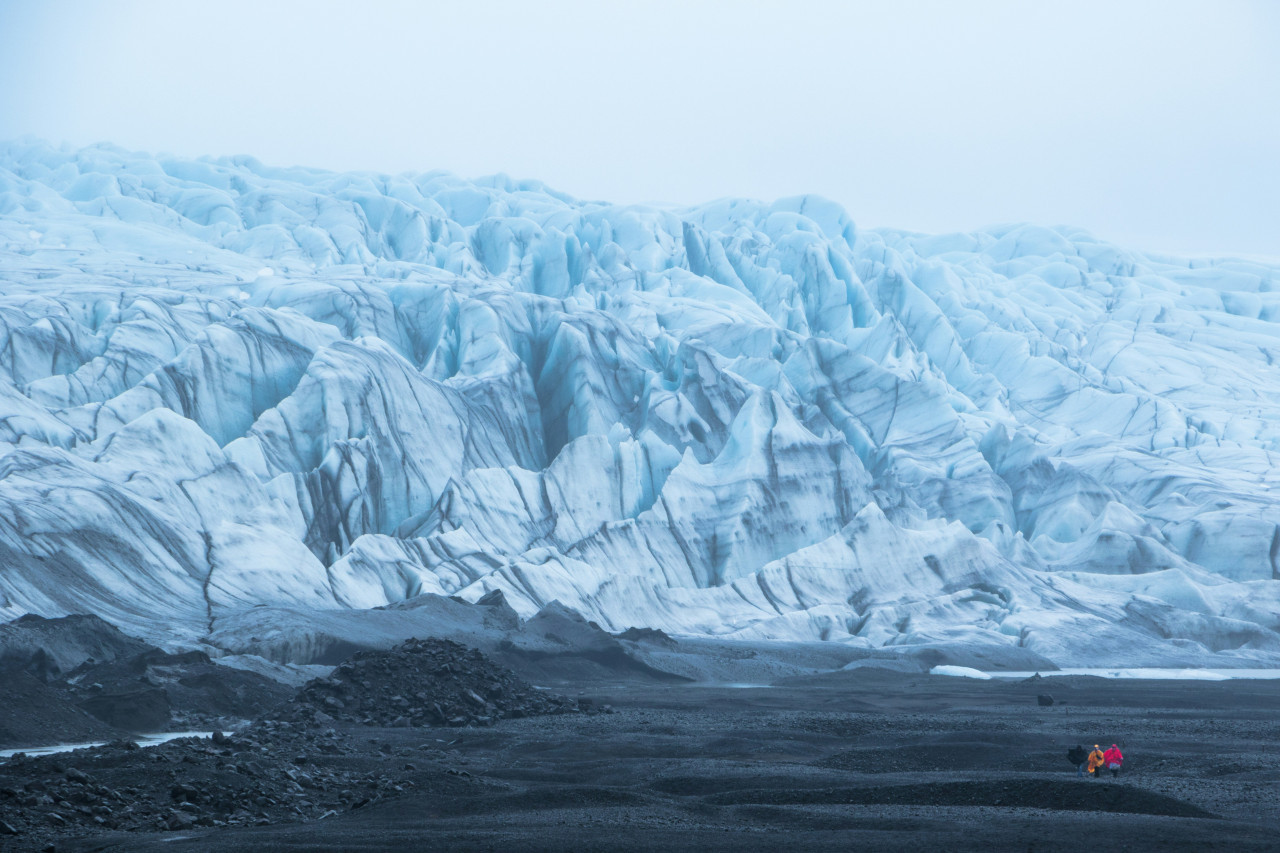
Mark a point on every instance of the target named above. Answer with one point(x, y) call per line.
point(1153, 123)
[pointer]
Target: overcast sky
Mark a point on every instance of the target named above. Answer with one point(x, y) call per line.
point(1153, 124)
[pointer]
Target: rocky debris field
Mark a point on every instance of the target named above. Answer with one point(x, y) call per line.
point(423, 683)
point(309, 758)
point(271, 773)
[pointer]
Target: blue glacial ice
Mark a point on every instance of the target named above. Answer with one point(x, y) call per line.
point(225, 385)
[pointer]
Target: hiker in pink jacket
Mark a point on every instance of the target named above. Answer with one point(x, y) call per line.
point(1112, 760)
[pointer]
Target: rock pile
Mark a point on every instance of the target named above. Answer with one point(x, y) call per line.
point(422, 683)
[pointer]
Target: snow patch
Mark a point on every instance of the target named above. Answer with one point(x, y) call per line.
point(959, 672)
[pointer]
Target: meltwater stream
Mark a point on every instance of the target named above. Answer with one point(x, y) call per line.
point(152, 739)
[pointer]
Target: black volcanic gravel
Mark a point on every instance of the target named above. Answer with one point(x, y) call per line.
point(422, 683)
point(270, 774)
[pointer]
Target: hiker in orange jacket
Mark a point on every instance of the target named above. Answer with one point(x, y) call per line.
point(1095, 761)
point(1112, 759)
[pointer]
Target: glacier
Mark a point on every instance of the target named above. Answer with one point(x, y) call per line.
point(227, 386)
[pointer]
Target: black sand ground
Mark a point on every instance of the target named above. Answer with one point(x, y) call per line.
point(864, 760)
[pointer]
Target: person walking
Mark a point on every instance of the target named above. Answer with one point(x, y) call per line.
point(1112, 759)
point(1077, 756)
point(1096, 759)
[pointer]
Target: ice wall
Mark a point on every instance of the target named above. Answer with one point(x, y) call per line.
point(224, 384)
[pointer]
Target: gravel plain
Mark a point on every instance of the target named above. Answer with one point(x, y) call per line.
point(865, 759)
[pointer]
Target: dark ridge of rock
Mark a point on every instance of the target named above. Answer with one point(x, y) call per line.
point(492, 598)
point(887, 664)
point(33, 713)
point(988, 658)
point(559, 644)
point(48, 648)
point(161, 686)
point(421, 683)
point(555, 629)
point(501, 614)
point(133, 687)
point(145, 710)
point(655, 636)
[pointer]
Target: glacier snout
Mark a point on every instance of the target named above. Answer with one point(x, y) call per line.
point(225, 385)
